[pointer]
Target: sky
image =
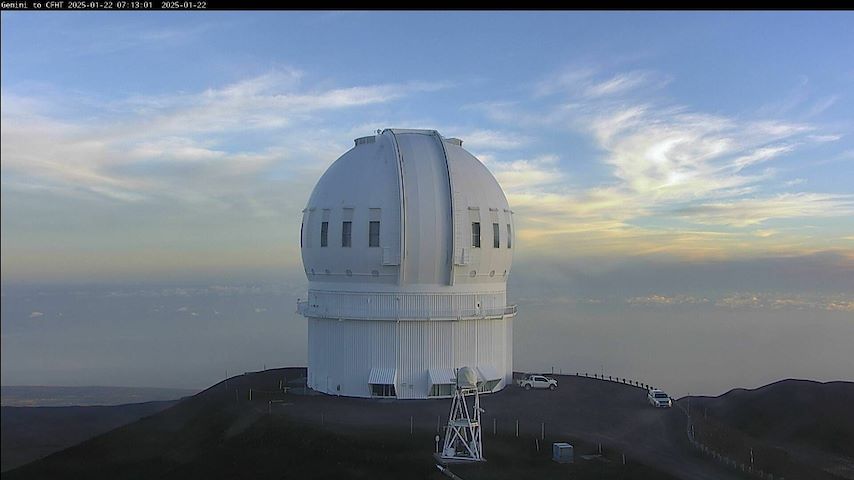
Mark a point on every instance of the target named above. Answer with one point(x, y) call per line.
point(662, 163)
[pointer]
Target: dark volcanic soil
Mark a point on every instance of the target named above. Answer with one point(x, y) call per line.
point(30, 433)
point(221, 433)
point(796, 428)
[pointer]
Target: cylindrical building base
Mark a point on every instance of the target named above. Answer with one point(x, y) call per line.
point(407, 359)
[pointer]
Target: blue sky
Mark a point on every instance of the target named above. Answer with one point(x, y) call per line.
point(159, 144)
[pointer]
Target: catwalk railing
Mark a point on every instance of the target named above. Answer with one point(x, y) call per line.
point(308, 310)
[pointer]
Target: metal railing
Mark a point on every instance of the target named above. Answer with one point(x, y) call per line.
point(308, 310)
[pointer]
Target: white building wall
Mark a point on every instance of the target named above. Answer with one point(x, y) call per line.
point(342, 352)
point(424, 297)
point(508, 349)
point(393, 305)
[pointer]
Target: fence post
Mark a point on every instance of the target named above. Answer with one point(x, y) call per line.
point(517, 427)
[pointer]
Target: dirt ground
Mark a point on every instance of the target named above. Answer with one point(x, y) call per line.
point(615, 415)
point(246, 427)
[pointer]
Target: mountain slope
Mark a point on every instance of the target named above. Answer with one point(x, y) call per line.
point(30, 433)
point(230, 431)
point(801, 412)
point(797, 421)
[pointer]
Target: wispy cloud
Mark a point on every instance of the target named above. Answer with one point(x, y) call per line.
point(109, 39)
point(173, 182)
point(526, 176)
point(739, 300)
point(587, 82)
point(151, 143)
point(832, 303)
point(666, 300)
point(493, 140)
point(668, 162)
point(751, 211)
point(624, 82)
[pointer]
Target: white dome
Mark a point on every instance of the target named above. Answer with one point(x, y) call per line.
point(407, 241)
point(428, 184)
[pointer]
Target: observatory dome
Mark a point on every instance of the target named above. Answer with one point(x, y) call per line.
point(407, 242)
point(423, 192)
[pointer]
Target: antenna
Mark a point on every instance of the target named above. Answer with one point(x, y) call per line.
point(463, 435)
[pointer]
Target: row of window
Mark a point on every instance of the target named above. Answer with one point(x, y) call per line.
point(374, 234)
point(447, 389)
point(346, 234)
point(496, 241)
point(436, 389)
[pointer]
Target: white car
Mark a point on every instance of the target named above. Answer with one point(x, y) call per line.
point(537, 381)
point(659, 399)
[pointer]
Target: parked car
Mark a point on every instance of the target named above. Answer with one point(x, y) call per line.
point(658, 398)
point(538, 381)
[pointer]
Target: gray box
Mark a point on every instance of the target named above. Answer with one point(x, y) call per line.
point(562, 453)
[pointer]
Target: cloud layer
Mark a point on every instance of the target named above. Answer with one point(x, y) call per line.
point(680, 180)
point(652, 176)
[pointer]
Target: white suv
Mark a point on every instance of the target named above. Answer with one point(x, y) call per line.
point(659, 399)
point(537, 381)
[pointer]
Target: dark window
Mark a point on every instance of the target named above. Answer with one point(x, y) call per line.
point(442, 390)
point(382, 390)
point(496, 243)
point(346, 230)
point(488, 385)
point(374, 235)
point(324, 232)
point(475, 234)
point(302, 224)
point(509, 236)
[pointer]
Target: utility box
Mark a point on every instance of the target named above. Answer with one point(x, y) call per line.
point(562, 453)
